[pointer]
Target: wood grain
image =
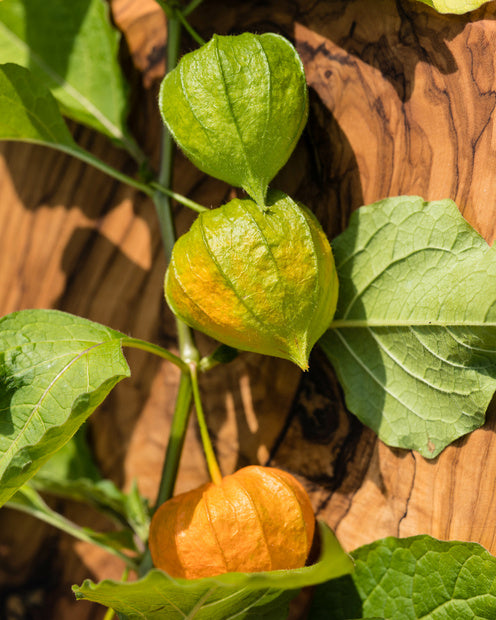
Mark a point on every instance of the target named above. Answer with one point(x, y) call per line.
point(402, 102)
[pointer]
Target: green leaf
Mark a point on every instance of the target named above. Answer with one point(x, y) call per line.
point(240, 595)
point(410, 578)
point(28, 500)
point(454, 6)
point(73, 49)
point(55, 369)
point(237, 107)
point(72, 473)
point(414, 336)
point(28, 111)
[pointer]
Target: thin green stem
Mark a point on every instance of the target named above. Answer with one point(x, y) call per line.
point(176, 439)
point(187, 347)
point(150, 189)
point(213, 466)
point(109, 614)
point(30, 501)
point(175, 445)
point(191, 7)
point(165, 7)
point(88, 158)
point(144, 345)
point(134, 150)
point(195, 36)
point(191, 204)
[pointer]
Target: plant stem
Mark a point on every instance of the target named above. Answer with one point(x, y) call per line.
point(30, 501)
point(136, 343)
point(191, 7)
point(150, 189)
point(213, 466)
point(176, 439)
point(88, 158)
point(109, 614)
point(194, 35)
point(179, 198)
point(187, 347)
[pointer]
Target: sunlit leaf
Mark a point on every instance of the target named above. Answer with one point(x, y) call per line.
point(239, 595)
point(412, 578)
point(414, 336)
point(73, 49)
point(55, 369)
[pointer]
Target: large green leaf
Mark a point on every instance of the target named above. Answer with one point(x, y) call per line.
point(414, 336)
point(237, 107)
point(454, 6)
point(55, 369)
point(30, 113)
point(232, 595)
point(412, 578)
point(73, 49)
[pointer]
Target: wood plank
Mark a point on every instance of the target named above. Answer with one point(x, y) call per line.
point(402, 101)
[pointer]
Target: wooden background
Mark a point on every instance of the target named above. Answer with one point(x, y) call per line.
point(402, 102)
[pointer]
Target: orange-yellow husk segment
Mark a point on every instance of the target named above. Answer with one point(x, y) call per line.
point(257, 519)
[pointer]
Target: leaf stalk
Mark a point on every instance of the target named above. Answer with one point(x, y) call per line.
point(213, 466)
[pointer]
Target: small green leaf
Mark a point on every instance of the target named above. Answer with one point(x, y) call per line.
point(413, 340)
point(55, 369)
point(28, 111)
point(72, 473)
point(240, 595)
point(28, 500)
point(454, 6)
point(237, 107)
point(412, 578)
point(73, 49)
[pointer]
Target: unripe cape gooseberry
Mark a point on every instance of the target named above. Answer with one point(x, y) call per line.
point(260, 280)
point(257, 519)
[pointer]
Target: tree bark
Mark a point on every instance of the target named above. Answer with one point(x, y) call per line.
point(402, 101)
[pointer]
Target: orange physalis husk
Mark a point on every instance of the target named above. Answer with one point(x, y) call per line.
point(257, 519)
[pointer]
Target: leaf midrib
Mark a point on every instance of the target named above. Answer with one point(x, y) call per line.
point(35, 411)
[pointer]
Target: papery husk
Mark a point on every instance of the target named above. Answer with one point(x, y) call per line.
point(261, 280)
point(257, 519)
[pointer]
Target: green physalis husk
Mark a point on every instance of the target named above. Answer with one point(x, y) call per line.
point(260, 280)
point(237, 106)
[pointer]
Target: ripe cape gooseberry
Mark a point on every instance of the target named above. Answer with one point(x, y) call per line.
point(257, 519)
point(256, 279)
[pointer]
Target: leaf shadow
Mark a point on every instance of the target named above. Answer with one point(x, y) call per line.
point(9, 385)
point(105, 286)
point(339, 595)
point(67, 27)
